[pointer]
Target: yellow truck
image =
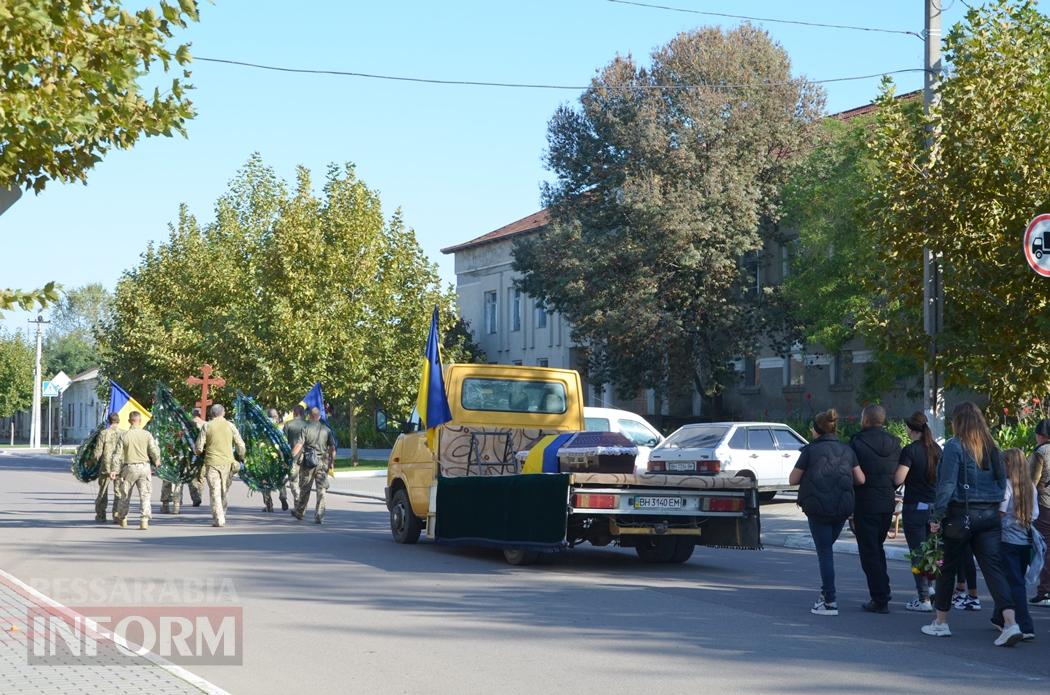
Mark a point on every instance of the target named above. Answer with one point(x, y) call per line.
point(475, 486)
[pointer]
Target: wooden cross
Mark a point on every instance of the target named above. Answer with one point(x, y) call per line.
point(205, 383)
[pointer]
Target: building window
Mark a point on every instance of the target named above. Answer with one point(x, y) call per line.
point(543, 362)
point(541, 315)
point(753, 272)
point(516, 363)
point(842, 368)
point(751, 374)
point(795, 370)
point(490, 312)
point(515, 311)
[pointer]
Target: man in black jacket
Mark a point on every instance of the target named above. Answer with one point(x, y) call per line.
point(878, 452)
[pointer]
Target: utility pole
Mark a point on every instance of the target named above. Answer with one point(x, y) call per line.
point(34, 426)
point(933, 291)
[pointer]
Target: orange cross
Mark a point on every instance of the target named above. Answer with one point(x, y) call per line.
point(205, 383)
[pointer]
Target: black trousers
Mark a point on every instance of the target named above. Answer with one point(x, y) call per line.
point(985, 545)
point(871, 530)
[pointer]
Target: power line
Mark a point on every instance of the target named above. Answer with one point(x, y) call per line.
point(765, 19)
point(531, 85)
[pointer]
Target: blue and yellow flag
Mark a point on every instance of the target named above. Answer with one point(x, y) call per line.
point(432, 402)
point(121, 403)
point(315, 399)
point(543, 456)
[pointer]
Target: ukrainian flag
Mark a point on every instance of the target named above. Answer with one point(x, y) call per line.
point(121, 403)
point(543, 456)
point(315, 399)
point(432, 402)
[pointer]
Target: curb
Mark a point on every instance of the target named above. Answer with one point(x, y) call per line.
point(361, 474)
point(159, 661)
point(357, 494)
point(801, 541)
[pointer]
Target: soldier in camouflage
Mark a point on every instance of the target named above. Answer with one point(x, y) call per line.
point(139, 454)
point(317, 446)
point(275, 418)
point(217, 440)
point(170, 502)
point(105, 452)
point(292, 430)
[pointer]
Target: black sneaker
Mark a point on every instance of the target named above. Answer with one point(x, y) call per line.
point(1040, 599)
point(873, 607)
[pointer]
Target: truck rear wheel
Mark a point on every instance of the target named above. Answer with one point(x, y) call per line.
point(521, 557)
point(404, 524)
point(683, 549)
point(656, 549)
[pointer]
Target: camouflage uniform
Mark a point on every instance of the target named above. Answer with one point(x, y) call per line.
point(268, 494)
point(106, 453)
point(167, 497)
point(316, 438)
point(138, 451)
point(292, 430)
point(216, 441)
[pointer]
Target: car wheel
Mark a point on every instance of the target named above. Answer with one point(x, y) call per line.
point(521, 557)
point(655, 550)
point(683, 549)
point(404, 524)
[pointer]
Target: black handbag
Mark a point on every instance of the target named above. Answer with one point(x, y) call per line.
point(311, 459)
point(964, 521)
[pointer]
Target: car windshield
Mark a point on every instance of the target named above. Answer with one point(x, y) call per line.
point(703, 437)
point(514, 396)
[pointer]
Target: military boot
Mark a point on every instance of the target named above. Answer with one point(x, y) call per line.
point(144, 524)
point(284, 505)
point(164, 509)
point(123, 523)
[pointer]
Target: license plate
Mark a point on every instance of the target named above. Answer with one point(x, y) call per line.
point(659, 503)
point(681, 466)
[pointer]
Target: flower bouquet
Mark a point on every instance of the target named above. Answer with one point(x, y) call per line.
point(928, 558)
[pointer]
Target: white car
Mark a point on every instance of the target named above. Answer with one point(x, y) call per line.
point(765, 451)
point(632, 426)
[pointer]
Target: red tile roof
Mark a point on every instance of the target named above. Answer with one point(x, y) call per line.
point(539, 220)
point(533, 222)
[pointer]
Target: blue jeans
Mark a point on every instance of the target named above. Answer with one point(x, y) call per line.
point(825, 532)
point(1015, 563)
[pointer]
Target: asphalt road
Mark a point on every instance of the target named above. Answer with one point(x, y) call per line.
point(341, 608)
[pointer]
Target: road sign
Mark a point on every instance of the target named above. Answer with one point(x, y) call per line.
point(1037, 244)
point(61, 381)
point(50, 390)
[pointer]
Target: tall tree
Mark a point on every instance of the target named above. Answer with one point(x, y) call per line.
point(70, 84)
point(16, 374)
point(284, 288)
point(666, 177)
point(968, 198)
point(70, 345)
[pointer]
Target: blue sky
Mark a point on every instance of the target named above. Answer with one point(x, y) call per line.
point(459, 160)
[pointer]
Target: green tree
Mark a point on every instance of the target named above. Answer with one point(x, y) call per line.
point(70, 88)
point(16, 374)
point(666, 177)
point(70, 345)
point(286, 287)
point(968, 197)
point(27, 299)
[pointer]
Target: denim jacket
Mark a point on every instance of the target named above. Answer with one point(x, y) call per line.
point(985, 485)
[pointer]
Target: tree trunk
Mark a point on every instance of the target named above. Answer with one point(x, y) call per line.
point(353, 435)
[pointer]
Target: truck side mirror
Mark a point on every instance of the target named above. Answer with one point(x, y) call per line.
point(382, 421)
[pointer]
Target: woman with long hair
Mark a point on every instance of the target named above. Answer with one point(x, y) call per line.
point(1040, 462)
point(971, 483)
point(1018, 510)
point(917, 471)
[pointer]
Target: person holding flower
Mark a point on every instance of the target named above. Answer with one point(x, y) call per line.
point(971, 483)
point(917, 471)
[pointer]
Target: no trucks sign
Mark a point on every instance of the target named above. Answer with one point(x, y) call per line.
point(1037, 244)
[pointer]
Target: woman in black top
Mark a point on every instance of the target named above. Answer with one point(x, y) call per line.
point(917, 471)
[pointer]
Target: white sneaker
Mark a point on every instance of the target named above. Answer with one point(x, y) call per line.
point(936, 629)
point(1009, 636)
point(821, 607)
point(919, 606)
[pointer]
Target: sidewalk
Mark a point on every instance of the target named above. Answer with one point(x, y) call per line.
point(784, 525)
point(147, 673)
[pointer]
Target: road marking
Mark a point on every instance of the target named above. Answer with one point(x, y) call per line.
point(177, 671)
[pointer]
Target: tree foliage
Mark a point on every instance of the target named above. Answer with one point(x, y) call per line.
point(70, 345)
point(665, 178)
point(286, 287)
point(27, 299)
point(969, 197)
point(70, 84)
point(16, 374)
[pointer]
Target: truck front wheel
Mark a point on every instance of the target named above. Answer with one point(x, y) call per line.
point(404, 524)
point(655, 549)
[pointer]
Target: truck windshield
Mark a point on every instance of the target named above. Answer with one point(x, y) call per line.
point(706, 437)
point(514, 396)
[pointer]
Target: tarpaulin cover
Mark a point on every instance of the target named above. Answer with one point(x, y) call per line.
point(506, 511)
